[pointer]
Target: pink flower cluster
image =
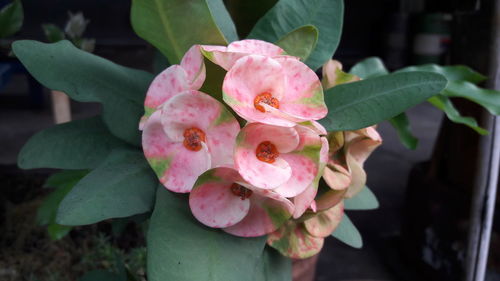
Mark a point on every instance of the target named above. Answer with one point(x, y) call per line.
point(262, 178)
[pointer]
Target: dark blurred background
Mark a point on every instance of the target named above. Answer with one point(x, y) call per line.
point(420, 230)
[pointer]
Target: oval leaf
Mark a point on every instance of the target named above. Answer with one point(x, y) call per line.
point(369, 68)
point(182, 249)
point(348, 233)
point(89, 78)
point(300, 42)
point(173, 26)
point(11, 18)
point(123, 185)
point(361, 104)
point(364, 200)
point(489, 99)
point(451, 72)
point(287, 15)
point(81, 144)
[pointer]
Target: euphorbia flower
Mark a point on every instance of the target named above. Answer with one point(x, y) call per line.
point(176, 79)
point(280, 158)
point(191, 133)
point(278, 91)
point(302, 239)
point(225, 57)
point(222, 199)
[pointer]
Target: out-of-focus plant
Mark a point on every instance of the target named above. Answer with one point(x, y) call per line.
point(11, 18)
point(73, 31)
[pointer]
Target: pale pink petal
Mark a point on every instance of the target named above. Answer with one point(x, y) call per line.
point(303, 93)
point(324, 223)
point(323, 154)
point(193, 64)
point(292, 240)
point(213, 203)
point(315, 126)
point(304, 170)
point(336, 176)
point(167, 84)
point(329, 199)
point(176, 167)
point(358, 176)
point(304, 200)
point(250, 77)
point(221, 138)
point(265, 216)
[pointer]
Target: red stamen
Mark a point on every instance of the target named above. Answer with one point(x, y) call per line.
point(193, 138)
point(266, 98)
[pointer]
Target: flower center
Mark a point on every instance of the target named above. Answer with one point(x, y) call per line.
point(266, 152)
point(266, 98)
point(193, 138)
point(241, 191)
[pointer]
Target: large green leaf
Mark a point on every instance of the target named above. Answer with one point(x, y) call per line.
point(287, 15)
point(273, 266)
point(364, 200)
point(369, 68)
point(123, 185)
point(182, 249)
point(360, 104)
point(489, 99)
point(11, 18)
point(81, 144)
point(89, 78)
point(173, 26)
point(348, 233)
point(445, 104)
point(402, 125)
point(300, 42)
point(451, 72)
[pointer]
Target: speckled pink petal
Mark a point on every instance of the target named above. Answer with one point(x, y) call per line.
point(324, 223)
point(256, 172)
point(292, 240)
point(221, 139)
point(193, 64)
point(249, 77)
point(226, 57)
point(213, 203)
point(167, 84)
point(303, 93)
point(304, 200)
point(265, 216)
point(176, 167)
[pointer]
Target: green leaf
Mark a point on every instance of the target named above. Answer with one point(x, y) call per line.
point(182, 249)
point(89, 78)
point(348, 233)
point(360, 104)
point(489, 99)
point(273, 266)
point(11, 18)
point(57, 231)
point(123, 185)
point(445, 104)
point(300, 42)
point(369, 68)
point(81, 144)
point(53, 33)
point(364, 200)
point(402, 126)
point(287, 15)
point(451, 72)
point(173, 26)
point(63, 183)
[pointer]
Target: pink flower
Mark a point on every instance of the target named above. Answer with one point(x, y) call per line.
point(222, 199)
point(227, 56)
point(191, 133)
point(283, 159)
point(278, 91)
point(189, 75)
point(304, 238)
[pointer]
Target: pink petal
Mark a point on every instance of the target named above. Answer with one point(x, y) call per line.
point(329, 199)
point(304, 200)
point(226, 57)
point(167, 84)
point(221, 138)
point(193, 64)
point(336, 176)
point(303, 93)
point(324, 223)
point(213, 203)
point(256, 172)
point(177, 167)
point(292, 240)
point(265, 216)
point(358, 176)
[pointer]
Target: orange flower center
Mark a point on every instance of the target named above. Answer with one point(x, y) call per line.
point(266, 152)
point(193, 138)
point(241, 191)
point(266, 98)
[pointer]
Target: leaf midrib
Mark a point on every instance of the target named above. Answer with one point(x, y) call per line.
point(168, 29)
